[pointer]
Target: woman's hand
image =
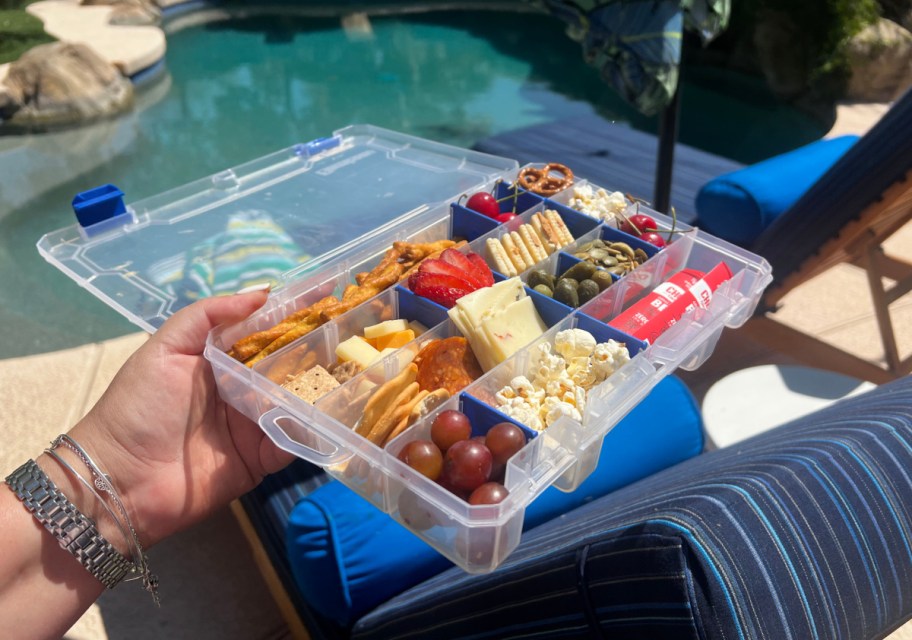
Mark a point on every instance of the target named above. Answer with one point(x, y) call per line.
point(175, 451)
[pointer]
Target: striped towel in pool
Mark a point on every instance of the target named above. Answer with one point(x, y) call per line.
point(252, 249)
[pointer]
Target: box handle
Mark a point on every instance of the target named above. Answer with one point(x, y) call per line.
point(269, 423)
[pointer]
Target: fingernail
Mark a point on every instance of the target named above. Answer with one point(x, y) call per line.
point(262, 286)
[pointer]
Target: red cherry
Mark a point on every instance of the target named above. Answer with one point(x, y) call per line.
point(505, 217)
point(641, 221)
point(484, 203)
point(653, 238)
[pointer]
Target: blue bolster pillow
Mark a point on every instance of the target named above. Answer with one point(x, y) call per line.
point(738, 206)
point(347, 556)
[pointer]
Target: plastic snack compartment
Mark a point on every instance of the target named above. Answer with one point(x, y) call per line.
point(345, 199)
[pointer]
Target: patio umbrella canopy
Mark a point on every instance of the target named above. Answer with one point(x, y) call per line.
point(636, 46)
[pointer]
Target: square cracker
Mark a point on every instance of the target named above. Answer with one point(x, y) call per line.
point(312, 384)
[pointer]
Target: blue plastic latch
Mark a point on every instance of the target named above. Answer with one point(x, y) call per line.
point(99, 205)
point(316, 146)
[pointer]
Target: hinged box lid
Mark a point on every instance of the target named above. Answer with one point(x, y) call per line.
point(271, 219)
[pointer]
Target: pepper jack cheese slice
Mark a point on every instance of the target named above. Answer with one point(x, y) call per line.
point(497, 321)
point(489, 300)
point(513, 328)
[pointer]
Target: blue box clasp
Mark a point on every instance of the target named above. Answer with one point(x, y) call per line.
point(317, 145)
point(99, 205)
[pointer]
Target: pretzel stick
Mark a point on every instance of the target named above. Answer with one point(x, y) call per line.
point(402, 256)
point(412, 253)
point(435, 254)
point(248, 347)
point(301, 329)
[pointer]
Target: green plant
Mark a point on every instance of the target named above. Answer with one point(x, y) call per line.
point(19, 32)
point(826, 25)
point(8, 5)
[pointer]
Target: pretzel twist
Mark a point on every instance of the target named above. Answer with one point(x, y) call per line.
point(543, 181)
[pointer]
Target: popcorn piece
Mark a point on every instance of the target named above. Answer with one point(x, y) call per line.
point(549, 367)
point(505, 395)
point(562, 409)
point(608, 357)
point(598, 204)
point(523, 387)
point(562, 377)
point(574, 343)
point(525, 414)
point(559, 386)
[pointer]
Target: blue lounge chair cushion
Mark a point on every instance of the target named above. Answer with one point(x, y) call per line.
point(347, 557)
point(738, 206)
point(799, 532)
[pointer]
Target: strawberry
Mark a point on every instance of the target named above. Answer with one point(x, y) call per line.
point(482, 268)
point(433, 265)
point(469, 269)
point(443, 289)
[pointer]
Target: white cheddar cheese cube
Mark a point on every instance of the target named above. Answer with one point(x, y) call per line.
point(357, 349)
point(417, 327)
point(385, 328)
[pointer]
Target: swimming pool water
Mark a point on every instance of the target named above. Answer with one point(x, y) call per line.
point(240, 89)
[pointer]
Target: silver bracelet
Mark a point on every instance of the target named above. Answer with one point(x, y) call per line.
point(75, 532)
point(103, 483)
point(63, 463)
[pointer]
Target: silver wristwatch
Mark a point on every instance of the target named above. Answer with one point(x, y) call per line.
point(75, 532)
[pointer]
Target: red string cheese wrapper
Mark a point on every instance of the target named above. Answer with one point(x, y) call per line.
point(649, 317)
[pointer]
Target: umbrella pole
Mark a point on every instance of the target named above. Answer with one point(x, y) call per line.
point(668, 135)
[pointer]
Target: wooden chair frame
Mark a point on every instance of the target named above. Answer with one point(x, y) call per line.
point(860, 243)
point(283, 601)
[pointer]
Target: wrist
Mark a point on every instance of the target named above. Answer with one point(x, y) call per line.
point(98, 484)
point(82, 498)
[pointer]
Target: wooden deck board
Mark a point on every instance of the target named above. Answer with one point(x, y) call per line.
point(613, 156)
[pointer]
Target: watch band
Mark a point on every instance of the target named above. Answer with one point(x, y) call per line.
point(75, 532)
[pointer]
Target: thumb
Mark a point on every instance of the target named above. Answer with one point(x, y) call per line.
point(185, 332)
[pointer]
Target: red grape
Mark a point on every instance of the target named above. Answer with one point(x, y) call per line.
point(504, 439)
point(467, 465)
point(653, 238)
point(489, 493)
point(424, 457)
point(415, 511)
point(484, 203)
point(449, 427)
point(637, 224)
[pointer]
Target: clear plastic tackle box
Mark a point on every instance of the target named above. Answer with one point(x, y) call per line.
point(309, 218)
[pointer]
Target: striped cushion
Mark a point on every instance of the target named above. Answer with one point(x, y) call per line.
point(801, 532)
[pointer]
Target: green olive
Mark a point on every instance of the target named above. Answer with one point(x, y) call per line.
point(603, 279)
point(566, 293)
point(544, 289)
point(540, 276)
point(579, 272)
point(587, 290)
